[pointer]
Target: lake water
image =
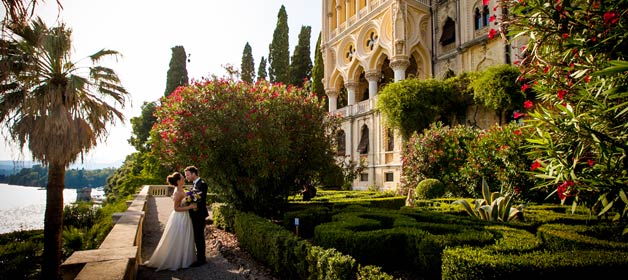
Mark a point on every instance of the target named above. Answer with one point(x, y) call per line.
point(23, 208)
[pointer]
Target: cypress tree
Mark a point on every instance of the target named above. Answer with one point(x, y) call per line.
point(261, 71)
point(248, 65)
point(301, 66)
point(318, 71)
point(279, 52)
point(177, 73)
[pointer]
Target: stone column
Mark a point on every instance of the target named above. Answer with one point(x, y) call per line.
point(399, 65)
point(338, 17)
point(351, 87)
point(347, 15)
point(332, 95)
point(373, 77)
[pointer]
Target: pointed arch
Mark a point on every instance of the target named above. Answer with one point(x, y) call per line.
point(378, 57)
point(354, 70)
point(422, 59)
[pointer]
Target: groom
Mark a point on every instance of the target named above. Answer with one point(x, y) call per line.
point(199, 214)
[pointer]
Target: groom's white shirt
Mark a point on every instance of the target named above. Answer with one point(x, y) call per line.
point(196, 181)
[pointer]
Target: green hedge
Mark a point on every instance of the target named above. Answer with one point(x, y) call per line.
point(308, 219)
point(292, 258)
point(393, 240)
point(560, 237)
point(475, 263)
point(223, 215)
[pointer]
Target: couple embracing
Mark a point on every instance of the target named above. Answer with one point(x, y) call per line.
point(185, 229)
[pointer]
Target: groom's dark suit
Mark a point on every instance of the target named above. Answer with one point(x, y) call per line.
point(198, 220)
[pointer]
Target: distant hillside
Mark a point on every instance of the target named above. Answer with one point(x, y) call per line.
point(9, 167)
point(37, 176)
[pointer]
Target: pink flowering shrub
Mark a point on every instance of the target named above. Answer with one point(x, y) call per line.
point(438, 153)
point(498, 154)
point(256, 143)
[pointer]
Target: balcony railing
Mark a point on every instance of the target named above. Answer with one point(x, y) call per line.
point(356, 109)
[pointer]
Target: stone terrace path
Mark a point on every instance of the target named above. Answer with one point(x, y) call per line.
point(217, 267)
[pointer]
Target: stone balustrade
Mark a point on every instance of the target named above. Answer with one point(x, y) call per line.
point(119, 254)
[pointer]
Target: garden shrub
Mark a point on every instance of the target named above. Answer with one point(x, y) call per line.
point(308, 219)
point(393, 240)
point(252, 142)
point(561, 237)
point(223, 215)
point(430, 188)
point(498, 156)
point(289, 257)
point(579, 74)
point(472, 263)
point(439, 152)
point(21, 254)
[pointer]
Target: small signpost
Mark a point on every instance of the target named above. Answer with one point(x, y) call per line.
point(296, 224)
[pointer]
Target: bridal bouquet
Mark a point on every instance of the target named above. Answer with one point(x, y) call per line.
point(192, 196)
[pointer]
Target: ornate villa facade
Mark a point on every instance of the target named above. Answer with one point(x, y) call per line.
point(369, 43)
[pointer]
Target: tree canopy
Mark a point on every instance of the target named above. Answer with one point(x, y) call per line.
point(261, 71)
point(497, 88)
point(301, 63)
point(318, 71)
point(46, 104)
point(411, 105)
point(248, 64)
point(255, 143)
point(177, 71)
point(575, 62)
point(279, 50)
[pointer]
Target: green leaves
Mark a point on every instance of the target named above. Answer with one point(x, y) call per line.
point(254, 142)
point(577, 60)
point(493, 207)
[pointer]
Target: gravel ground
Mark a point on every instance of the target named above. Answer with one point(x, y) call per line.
point(225, 258)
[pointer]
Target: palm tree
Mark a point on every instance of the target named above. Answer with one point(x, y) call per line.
point(47, 104)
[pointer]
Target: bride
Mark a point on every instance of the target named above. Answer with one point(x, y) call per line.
point(176, 246)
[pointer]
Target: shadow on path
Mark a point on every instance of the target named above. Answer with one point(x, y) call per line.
point(157, 212)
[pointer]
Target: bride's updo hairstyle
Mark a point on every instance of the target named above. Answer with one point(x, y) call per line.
point(174, 178)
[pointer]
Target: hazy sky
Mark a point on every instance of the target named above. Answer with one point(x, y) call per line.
point(212, 32)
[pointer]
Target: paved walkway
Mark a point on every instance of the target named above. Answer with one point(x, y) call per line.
point(157, 213)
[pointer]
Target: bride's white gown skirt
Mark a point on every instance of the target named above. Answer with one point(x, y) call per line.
point(176, 246)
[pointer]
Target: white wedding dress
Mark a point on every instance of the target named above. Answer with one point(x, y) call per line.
point(176, 246)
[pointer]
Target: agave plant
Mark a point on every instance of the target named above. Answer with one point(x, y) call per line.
point(493, 207)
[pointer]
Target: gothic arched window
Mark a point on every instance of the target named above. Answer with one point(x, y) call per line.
point(390, 140)
point(340, 140)
point(363, 147)
point(477, 19)
point(485, 15)
point(449, 32)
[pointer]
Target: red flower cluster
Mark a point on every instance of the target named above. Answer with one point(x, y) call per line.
point(536, 164)
point(561, 94)
point(528, 104)
point(611, 18)
point(563, 189)
point(492, 33)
